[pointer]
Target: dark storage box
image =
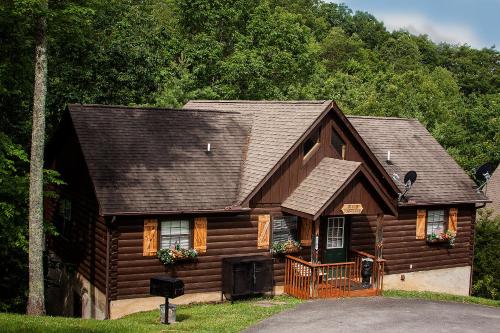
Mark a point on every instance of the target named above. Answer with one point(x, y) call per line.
point(245, 276)
point(166, 286)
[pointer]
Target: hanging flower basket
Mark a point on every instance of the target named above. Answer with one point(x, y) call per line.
point(447, 237)
point(285, 247)
point(177, 254)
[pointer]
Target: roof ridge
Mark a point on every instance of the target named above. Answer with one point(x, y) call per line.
point(108, 106)
point(319, 102)
point(380, 117)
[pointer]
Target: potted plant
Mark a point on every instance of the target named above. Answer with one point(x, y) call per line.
point(176, 254)
point(285, 247)
point(443, 237)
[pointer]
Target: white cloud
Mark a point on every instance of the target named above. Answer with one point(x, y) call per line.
point(437, 31)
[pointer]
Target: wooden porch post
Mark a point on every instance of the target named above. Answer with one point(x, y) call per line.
point(379, 237)
point(315, 247)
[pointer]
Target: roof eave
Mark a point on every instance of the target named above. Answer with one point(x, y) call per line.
point(232, 209)
point(297, 213)
point(452, 202)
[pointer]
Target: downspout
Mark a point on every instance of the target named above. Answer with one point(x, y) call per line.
point(108, 254)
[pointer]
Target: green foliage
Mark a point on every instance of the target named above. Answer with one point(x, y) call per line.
point(165, 52)
point(223, 317)
point(486, 254)
point(285, 247)
point(13, 216)
point(432, 296)
point(170, 256)
point(13, 222)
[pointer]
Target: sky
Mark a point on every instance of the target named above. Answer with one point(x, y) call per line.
point(472, 22)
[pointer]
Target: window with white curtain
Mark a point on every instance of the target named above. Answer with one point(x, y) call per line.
point(435, 222)
point(175, 232)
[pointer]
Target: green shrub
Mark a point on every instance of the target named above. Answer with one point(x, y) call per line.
point(285, 247)
point(486, 276)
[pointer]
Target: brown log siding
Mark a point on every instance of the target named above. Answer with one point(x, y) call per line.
point(86, 245)
point(402, 249)
point(227, 235)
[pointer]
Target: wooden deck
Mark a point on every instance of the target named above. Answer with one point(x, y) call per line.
point(307, 280)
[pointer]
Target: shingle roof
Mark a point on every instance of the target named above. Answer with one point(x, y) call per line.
point(276, 127)
point(321, 186)
point(440, 179)
point(155, 160)
point(493, 192)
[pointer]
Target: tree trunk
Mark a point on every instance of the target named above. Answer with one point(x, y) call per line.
point(36, 297)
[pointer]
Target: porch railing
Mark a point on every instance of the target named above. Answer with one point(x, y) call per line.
point(308, 280)
point(377, 278)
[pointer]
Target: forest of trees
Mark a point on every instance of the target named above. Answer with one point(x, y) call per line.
point(165, 52)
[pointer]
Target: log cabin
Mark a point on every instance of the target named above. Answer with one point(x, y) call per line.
point(236, 178)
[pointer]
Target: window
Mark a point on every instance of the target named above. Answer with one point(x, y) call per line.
point(65, 209)
point(338, 144)
point(175, 232)
point(335, 233)
point(284, 228)
point(435, 222)
point(64, 224)
point(311, 143)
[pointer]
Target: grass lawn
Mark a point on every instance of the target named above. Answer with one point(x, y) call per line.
point(440, 297)
point(225, 317)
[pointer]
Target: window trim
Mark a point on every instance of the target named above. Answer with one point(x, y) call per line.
point(314, 148)
point(190, 236)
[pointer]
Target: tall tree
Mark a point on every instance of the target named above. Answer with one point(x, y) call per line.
point(36, 299)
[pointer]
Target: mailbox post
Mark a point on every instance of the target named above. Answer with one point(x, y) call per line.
point(167, 287)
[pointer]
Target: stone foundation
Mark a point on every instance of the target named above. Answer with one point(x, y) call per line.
point(454, 281)
point(70, 294)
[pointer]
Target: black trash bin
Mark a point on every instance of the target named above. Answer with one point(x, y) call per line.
point(366, 272)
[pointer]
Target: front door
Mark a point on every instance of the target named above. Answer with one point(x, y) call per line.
point(335, 240)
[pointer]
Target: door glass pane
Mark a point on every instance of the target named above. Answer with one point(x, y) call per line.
point(335, 233)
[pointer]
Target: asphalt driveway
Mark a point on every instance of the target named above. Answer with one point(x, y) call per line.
point(381, 314)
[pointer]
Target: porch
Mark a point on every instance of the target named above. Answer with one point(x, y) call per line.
point(307, 280)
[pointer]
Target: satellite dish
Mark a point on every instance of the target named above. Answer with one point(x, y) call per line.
point(483, 173)
point(410, 178)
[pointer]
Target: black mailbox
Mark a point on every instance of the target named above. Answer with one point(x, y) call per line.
point(166, 286)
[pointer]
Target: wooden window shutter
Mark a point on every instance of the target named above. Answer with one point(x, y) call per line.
point(453, 220)
point(150, 240)
point(200, 234)
point(421, 219)
point(264, 228)
point(306, 232)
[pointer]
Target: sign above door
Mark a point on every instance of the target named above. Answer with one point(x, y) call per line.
point(351, 209)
